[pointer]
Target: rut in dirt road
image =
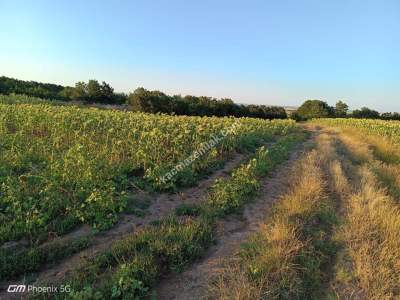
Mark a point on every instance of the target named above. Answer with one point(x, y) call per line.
point(367, 267)
point(288, 256)
point(231, 232)
point(333, 235)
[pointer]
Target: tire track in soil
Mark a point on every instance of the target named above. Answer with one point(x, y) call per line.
point(232, 231)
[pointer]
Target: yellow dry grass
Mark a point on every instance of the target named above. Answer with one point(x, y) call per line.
point(372, 234)
point(369, 265)
point(272, 270)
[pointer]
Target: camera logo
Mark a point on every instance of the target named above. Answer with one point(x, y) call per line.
point(14, 288)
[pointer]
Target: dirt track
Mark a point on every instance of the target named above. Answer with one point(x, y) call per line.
point(232, 231)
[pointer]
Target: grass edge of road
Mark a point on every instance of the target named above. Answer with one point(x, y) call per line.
point(286, 258)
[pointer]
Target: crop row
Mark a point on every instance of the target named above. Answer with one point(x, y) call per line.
point(61, 166)
point(133, 265)
point(390, 129)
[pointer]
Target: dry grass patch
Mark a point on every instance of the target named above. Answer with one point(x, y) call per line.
point(385, 165)
point(383, 148)
point(361, 152)
point(369, 265)
point(286, 258)
point(373, 238)
point(389, 175)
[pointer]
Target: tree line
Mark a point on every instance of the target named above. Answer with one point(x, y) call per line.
point(320, 109)
point(156, 101)
point(91, 92)
point(140, 100)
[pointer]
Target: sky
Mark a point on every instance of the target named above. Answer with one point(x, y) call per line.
point(254, 51)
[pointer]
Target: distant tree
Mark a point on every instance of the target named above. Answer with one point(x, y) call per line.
point(119, 98)
point(295, 116)
point(365, 113)
point(80, 91)
point(226, 107)
point(30, 88)
point(274, 112)
point(156, 101)
point(67, 93)
point(341, 109)
point(89, 92)
point(137, 99)
point(390, 116)
point(179, 106)
point(94, 92)
point(314, 109)
point(142, 100)
point(107, 93)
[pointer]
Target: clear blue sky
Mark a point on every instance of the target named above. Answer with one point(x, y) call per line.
point(270, 52)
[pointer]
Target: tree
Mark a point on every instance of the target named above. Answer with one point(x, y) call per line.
point(90, 92)
point(341, 109)
point(30, 88)
point(156, 101)
point(314, 109)
point(390, 116)
point(94, 92)
point(365, 113)
point(119, 98)
point(107, 93)
point(67, 93)
point(140, 100)
point(179, 106)
point(80, 91)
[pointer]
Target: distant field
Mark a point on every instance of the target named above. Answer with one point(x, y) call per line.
point(122, 205)
point(389, 129)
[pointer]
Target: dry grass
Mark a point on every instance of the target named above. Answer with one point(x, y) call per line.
point(378, 147)
point(343, 284)
point(368, 267)
point(282, 261)
point(389, 175)
point(267, 270)
point(372, 232)
point(285, 259)
point(382, 147)
point(385, 164)
point(340, 182)
point(361, 152)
